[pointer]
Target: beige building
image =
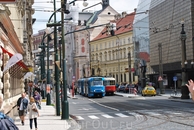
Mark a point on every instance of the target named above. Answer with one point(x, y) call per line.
point(109, 53)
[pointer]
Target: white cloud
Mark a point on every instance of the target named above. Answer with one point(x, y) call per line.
point(42, 17)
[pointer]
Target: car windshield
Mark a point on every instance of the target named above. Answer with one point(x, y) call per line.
point(150, 88)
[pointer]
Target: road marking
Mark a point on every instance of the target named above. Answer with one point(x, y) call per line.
point(137, 115)
point(104, 105)
point(85, 109)
point(79, 118)
point(108, 116)
point(174, 113)
point(121, 115)
point(153, 113)
point(74, 103)
point(93, 117)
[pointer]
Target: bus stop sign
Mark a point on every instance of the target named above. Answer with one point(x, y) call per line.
point(174, 78)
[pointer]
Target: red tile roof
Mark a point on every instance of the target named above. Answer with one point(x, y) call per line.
point(124, 24)
point(145, 56)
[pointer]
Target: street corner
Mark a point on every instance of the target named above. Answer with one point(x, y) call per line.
point(174, 97)
point(136, 97)
point(73, 124)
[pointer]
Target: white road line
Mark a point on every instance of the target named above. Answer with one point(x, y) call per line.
point(173, 113)
point(121, 115)
point(108, 116)
point(74, 103)
point(104, 105)
point(79, 118)
point(93, 117)
point(153, 113)
point(136, 115)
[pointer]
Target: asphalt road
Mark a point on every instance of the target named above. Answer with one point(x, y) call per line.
point(122, 113)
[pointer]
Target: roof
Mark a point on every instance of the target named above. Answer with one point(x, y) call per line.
point(145, 56)
point(123, 25)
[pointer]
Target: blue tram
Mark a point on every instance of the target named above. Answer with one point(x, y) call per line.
point(92, 87)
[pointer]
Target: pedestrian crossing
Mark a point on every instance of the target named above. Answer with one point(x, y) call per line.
point(137, 114)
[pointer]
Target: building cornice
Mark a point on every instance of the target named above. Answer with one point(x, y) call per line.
point(9, 27)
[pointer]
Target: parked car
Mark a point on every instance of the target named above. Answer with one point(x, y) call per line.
point(128, 87)
point(121, 88)
point(149, 90)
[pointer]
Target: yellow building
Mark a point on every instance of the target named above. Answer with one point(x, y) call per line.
point(109, 53)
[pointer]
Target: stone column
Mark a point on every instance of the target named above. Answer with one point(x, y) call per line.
point(22, 85)
point(1, 83)
point(6, 81)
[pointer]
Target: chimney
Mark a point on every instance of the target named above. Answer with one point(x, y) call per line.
point(124, 14)
point(105, 3)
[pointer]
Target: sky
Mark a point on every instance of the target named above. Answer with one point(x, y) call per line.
point(43, 9)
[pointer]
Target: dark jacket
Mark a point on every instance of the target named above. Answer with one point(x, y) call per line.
point(25, 102)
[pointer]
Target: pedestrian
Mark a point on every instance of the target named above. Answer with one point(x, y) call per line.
point(37, 99)
point(75, 89)
point(33, 113)
point(190, 86)
point(30, 89)
point(6, 120)
point(22, 104)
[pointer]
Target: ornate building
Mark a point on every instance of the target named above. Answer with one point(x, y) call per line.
point(109, 53)
point(15, 37)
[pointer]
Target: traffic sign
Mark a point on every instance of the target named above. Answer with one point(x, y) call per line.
point(174, 78)
point(160, 78)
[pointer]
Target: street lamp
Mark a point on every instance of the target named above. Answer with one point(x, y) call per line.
point(48, 100)
point(184, 88)
point(65, 104)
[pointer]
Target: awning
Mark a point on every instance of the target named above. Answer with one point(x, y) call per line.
point(19, 69)
point(20, 63)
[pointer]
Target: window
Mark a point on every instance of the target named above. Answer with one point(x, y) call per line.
point(105, 45)
point(129, 40)
point(109, 44)
point(124, 41)
point(100, 46)
point(96, 47)
point(113, 44)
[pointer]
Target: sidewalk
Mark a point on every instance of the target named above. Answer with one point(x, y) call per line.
point(48, 121)
point(167, 94)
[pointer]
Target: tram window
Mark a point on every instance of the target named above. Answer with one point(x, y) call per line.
point(112, 82)
point(97, 83)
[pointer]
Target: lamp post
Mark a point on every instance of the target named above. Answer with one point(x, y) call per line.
point(42, 64)
point(129, 66)
point(160, 79)
point(65, 103)
point(184, 89)
point(48, 100)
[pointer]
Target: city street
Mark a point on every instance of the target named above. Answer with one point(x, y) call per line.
point(122, 113)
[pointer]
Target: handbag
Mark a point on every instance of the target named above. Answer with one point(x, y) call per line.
point(34, 108)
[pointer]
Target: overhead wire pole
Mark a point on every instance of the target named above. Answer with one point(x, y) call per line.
point(56, 59)
point(65, 104)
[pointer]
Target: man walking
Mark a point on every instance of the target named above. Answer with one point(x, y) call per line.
point(22, 104)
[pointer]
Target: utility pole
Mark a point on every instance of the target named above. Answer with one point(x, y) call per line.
point(160, 78)
point(129, 66)
point(184, 88)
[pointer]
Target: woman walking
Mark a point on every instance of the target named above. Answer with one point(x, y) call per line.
point(33, 113)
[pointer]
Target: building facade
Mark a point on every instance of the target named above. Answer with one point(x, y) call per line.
point(141, 38)
point(165, 29)
point(109, 53)
point(14, 19)
point(82, 38)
